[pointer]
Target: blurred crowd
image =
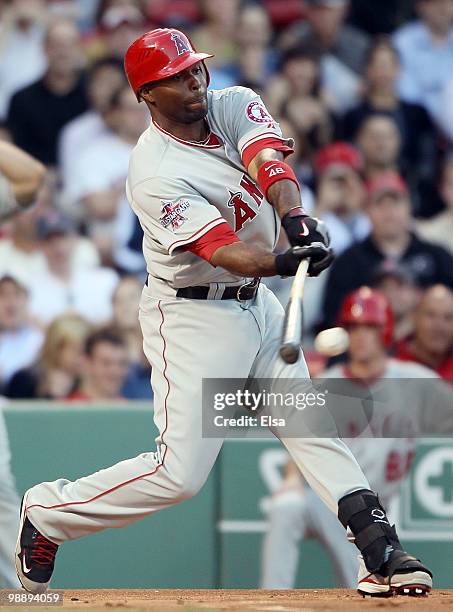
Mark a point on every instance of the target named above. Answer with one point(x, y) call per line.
point(364, 88)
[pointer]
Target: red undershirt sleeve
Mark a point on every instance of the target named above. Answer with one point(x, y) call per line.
point(207, 245)
point(253, 149)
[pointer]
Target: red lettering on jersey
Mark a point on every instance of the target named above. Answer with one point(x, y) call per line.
point(398, 465)
point(242, 211)
point(251, 188)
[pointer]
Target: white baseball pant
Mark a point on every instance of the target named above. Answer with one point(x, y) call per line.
point(186, 341)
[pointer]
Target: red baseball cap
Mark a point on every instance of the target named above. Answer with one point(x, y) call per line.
point(338, 154)
point(388, 182)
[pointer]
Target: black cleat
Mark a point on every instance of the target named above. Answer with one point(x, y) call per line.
point(35, 556)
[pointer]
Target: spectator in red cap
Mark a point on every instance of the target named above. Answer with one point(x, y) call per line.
point(389, 209)
point(432, 341)
point(341, 194)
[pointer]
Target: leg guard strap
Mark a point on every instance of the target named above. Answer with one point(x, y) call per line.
point(362, 512)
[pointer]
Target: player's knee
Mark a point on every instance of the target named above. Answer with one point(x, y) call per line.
point(186, 486)
point(186, 490)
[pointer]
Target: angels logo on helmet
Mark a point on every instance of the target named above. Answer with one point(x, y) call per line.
point(181, 45)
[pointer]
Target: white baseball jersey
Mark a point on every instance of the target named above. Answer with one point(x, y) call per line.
point(180, 190)
point(386, 461)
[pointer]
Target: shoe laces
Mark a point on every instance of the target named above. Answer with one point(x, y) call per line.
point(44, 550)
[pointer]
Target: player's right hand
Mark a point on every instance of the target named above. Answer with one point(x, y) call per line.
point(303, 230)
point(321, 256)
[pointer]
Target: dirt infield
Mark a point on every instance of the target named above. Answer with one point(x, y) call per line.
point(191, 599)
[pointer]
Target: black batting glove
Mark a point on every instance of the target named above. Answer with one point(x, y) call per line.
point(320, 256)
point(303, 230)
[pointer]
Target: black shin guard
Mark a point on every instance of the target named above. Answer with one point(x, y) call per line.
point(362, 512)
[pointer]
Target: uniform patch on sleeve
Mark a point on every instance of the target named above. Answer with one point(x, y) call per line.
point(172, 213)
point(257, 112)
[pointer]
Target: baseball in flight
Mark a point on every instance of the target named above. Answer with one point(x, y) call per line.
point(332, 342)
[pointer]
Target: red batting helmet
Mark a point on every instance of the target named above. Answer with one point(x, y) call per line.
point(370, 307)
point(159, 54)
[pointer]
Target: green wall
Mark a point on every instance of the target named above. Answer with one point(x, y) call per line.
point(170, 549)
point(213, 540)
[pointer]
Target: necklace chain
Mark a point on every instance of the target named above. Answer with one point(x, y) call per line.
point(205, 141)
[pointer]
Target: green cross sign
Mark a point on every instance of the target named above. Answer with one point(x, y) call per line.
point(444, 481)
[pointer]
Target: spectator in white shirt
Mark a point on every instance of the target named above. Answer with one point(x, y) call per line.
point(104, 78)
point(20, 341)
point(96, 185)
point(63, 287)
point(426, 51)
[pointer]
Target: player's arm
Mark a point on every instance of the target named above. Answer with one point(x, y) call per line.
point(20, 179)
point(222, 247)
point(284, 194)
point(245, 260)
point(279, 184)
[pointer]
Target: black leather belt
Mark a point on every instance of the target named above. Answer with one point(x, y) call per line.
point(242, 293)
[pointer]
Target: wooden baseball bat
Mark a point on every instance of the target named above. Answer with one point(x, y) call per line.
point(292, 324)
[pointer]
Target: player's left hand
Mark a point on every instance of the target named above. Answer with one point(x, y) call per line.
point(303, 230)
point(319, 254)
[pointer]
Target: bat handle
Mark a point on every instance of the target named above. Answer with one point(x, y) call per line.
point(292, 325)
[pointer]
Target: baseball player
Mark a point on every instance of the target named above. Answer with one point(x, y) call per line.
point(296, 512)
point(210, 187)
point(20, 178)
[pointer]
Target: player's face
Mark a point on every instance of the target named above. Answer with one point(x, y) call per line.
point(182, 97)
point(365, 343)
